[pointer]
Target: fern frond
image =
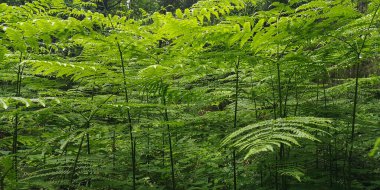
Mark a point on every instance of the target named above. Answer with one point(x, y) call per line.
point(266, 135)
point(376, 149)
point(292, 171)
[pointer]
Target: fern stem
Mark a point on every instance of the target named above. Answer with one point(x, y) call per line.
point(169, 139)
point(88, 153)
point(14, 146)
point(276, 172)
point(274, 104)
point(287, 96)
point(261, 176)
point(279, 90)
point(148, 134)
point(15, 128)
point(88, 140)
point(354, 109)
point(235, 118)
point(275, 117)
point(132, 139)
point(281, 115)
point(328, 130)
point(163, 149)
point(76, 160)
point(296, 95)
point(114, 147)
point(335, 157)
point(86, 124)
point(253, 97)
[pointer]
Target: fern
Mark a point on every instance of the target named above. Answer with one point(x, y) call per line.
point(295, 60)
point(8, 101)
point(266, 135)
point(294, 172)
point(375, 151)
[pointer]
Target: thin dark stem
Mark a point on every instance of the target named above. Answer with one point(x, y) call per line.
point(316, 143)
point(16, 125)
point(286, 97)
point(114, 147)
point(274, 99)
point(148, 133)
point(169, 139)
point(88, 153)
point(281, 114)
point(235, 118)
point(275, 117)
point(261, 177)
point(163, 149)
point(329, 145)
point(256, 112)
point(344, 41)
point(132, 138)
point(234, 166)
point(279, 90)
point(254, 100)
point(14, 146)
point(354, 109)
point(76, 160)
point(276, 172)
point(352, 138)
point(296, 96)
point(86, 124)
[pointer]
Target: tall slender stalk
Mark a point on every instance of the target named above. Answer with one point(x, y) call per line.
point(279, 89)
point(235, 118)
point(86, 124)
point(287, 96)
point(253, 97)
point(166, 117)
point(163, 148)
point(296, 95)
point(113, 147)
point(76, 160)
point(148, 134)
point(354, 109)
point(89, 124)
point(17, 118)
point(329, 144)
point(276, 170)
point(88, 135)
point(274, 117)
point(261, 176)
point(88, 153)
point(14, 145)
point(132, 138)
point(274, 98)
point(316, 143)
point(281, 115)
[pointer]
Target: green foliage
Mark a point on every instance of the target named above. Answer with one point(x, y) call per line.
point(86, 86)
point(375, 151)
point(266, 135)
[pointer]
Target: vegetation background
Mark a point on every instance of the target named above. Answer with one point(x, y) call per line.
point(187, 94)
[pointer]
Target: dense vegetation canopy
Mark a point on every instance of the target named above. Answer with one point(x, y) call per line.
point(208, 94)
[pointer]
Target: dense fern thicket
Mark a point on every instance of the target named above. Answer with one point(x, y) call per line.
point(228, 94)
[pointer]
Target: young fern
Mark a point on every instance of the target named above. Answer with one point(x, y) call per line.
point(375, 152)
point(267, 135)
